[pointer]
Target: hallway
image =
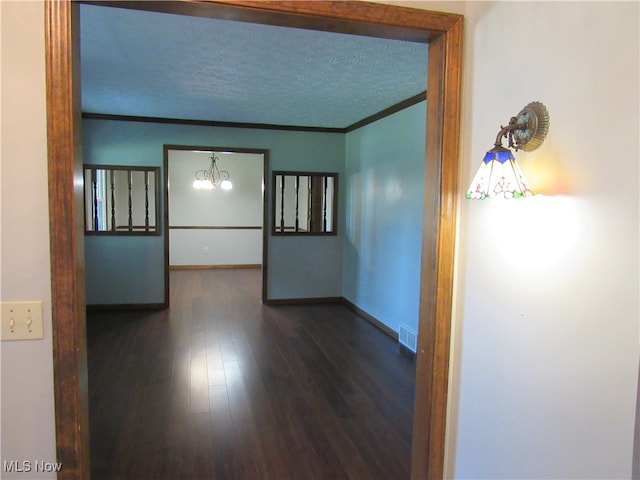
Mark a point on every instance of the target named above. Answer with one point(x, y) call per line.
point(220, 386)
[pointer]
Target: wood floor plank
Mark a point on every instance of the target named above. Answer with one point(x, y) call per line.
point(221, 387)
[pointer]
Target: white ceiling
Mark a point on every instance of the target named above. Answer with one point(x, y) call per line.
point(151, 64)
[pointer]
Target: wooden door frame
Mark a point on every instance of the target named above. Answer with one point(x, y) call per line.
point(443, 33)
point(265, 211)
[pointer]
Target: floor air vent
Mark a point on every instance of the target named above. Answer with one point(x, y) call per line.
point(408, 338)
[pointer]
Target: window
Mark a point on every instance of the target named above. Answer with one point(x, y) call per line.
point(121, 200)
point(305, 203)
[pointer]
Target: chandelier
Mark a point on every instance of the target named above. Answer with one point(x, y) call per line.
point(212, 177)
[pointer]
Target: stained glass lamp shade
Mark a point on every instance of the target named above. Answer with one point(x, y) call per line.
point(499, 176)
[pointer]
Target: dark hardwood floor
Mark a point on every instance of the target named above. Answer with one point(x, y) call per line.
point(220, 386)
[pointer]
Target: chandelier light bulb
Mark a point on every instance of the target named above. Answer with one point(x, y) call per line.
point(212, 177)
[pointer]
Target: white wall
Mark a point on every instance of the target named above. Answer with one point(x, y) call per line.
point(27, 420)
point(546, 361)
point(242, 206)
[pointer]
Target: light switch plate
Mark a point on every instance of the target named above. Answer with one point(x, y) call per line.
point(21, 320)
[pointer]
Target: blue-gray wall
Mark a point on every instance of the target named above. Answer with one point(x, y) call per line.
point(384, 185)
point(374, 261)
point(126, 270)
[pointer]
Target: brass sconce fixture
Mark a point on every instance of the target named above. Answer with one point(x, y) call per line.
point(499, 176)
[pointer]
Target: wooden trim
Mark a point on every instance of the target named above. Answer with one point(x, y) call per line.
point(290, 232)
point(340, 16)
point(211, 267)
point(66, 226)
point(126, 306)
point(442, 30)
point(302, 301)
point(209, 123)
point(209, 149)
point(135, 168)
point(342, 300)
point(123, 231)
point(438, 252)
point(265, 227)
point(278, 230)
point(265, 176)
point(164, 181)
point(304, 173)
point(370, 318)
point(211, 227)
point(409, 102)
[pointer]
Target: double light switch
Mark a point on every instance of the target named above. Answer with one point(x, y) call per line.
point(22, 320)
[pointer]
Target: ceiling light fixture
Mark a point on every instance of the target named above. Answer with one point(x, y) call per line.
point(499, 176)
point(212, 177)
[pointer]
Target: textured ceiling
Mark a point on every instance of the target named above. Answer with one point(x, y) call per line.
point(172, 66)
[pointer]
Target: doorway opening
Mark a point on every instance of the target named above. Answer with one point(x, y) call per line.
point(443, 33)
point(216, 228)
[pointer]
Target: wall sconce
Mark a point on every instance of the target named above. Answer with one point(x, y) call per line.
point(499, 176)
point(212, 177)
